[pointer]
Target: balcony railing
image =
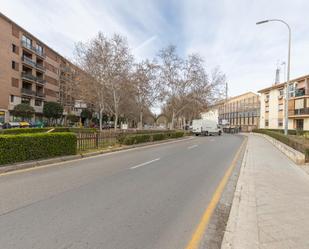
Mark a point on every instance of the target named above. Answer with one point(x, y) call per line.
point(28, 76)
point(32, 48)
point(40, 80)
point(299, 92)
point(28, 61)
point(40, 67)
point(40, 94)
point(27, 91)
point(303, 111)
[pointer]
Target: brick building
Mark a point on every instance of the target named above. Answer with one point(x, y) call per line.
point(31, 72)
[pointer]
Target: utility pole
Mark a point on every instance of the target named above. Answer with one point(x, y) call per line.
point(286, 115)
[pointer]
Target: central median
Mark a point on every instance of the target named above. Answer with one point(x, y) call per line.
point(39, 145)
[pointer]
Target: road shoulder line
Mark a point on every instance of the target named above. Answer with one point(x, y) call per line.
point(201, 228)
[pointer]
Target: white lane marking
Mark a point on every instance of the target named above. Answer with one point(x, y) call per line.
point(192, 146)
point(212, 140)
point(111, 153)
point(145, 163)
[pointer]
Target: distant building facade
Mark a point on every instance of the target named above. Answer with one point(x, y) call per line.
point(273, 105)
point(242, 111)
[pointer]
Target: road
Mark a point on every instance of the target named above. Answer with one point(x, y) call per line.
point(146, 198)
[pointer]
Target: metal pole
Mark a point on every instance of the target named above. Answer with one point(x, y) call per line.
point(287, 86)
point(286, 115)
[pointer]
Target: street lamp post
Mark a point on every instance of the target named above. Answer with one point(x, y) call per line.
point(286, 118)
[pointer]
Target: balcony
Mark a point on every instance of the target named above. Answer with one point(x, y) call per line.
point(40, 94)
point(40, 81)
point(28, 76)
point(32, 78)
point(27, 91)
point(33, 49)
point(303, 111)
point(40, 67)
point(299, 92)
point(28, 61)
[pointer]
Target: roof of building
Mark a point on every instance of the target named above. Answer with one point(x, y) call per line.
point(241, 95)
point(267, 89)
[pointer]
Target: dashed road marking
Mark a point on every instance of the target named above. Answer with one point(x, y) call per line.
point(145, 163)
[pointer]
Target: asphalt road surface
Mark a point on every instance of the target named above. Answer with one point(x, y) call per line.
point(145, 198)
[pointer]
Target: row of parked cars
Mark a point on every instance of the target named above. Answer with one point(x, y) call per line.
point(22, 124)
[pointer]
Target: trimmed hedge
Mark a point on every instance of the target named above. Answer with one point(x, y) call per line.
point(15, 131)
point(290, 132)
point(143, 138)
point(288, 140)
point(24, 147)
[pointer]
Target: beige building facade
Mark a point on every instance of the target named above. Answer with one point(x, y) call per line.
point(30, 71)
point(242, 111)
point(273, 105)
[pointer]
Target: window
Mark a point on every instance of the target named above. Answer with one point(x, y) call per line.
point(292, 90)
point(280, 122)
point(15, 65)
point(299, 124)
point(266, 123)
point(280, 107)
point(266, 108)
point(14, 49)
point(299, 104)
point(12, 98)
point(281, 92)
point(39, 49)
point(38, 102)
point(26, 41)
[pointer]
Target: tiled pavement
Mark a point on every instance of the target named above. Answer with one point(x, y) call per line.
point(271, 204)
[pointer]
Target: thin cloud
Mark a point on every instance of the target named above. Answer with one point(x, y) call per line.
point(223, 31)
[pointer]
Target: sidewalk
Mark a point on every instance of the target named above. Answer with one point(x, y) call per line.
point(271, 204)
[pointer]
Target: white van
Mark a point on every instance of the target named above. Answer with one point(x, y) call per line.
point(205, 127)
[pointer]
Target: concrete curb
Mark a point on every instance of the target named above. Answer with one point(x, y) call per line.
point(228, 241)
point(296, 156)
point(38, 163)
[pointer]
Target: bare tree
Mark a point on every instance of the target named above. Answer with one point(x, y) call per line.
point(144, 80)
point(185, 84)
point(108, 62)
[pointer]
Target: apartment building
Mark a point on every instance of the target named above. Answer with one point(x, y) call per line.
point(30, 72)
point(241, 111)
point(273, 105)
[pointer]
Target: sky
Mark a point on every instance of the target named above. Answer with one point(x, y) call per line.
point(222, 31)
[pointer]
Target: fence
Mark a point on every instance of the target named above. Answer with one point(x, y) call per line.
point(97, 140)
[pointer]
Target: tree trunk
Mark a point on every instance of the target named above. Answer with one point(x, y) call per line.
point(141, 119)
point(173, 119)
point(100, 117)
point(116, 121)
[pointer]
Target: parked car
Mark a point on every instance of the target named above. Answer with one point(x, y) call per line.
point(11, 125)
point(24, 124)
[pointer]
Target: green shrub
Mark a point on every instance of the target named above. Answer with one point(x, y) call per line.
point(159, 136)
point(129, 139)
point(288, 140)
point(41, 130)
point(16, 131)
point(136, 139)
point(24, 147)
